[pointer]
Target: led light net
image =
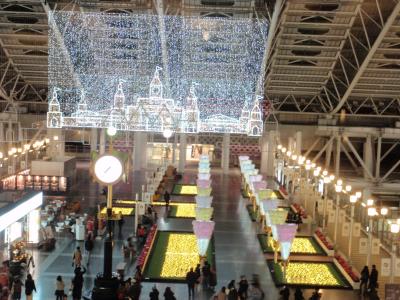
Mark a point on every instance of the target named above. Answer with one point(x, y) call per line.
point(195, 75)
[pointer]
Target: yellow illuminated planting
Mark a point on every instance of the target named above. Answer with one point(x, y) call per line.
point(311, 274)
point(181, 254)
point(125, 211)
point(188, 189)
point(302, 245)
point(185, 210)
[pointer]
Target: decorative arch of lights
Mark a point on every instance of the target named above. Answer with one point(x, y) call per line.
point(106, 71)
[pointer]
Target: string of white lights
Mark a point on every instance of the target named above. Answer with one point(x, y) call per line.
point(222, 56)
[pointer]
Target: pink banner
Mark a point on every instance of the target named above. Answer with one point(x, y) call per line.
point(253, 178)
point(203, 229)
point(202, 183)
point(286, 232)
point(203, 201)
point(259, 185)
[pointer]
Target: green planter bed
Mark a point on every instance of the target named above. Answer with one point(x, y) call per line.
point(182, 210)
point(184, 190)
point(253, 214)
point(173, 266)
point(302, 245)
point(309, 275)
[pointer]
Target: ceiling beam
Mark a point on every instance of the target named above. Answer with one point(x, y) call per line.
point(392, 17)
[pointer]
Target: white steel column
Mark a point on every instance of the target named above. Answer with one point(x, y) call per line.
point(102, 141)
point(56, 148)
point(268, 153)
point(298, 143)
point(368, 156)
point(182, 152)
point(291, 144)
point(143, 151)
point(225, 153)
point(337, 158)
point(328, 155)
point(174, 148)
point(264, 152)
point(93, 139)
point(137, 148)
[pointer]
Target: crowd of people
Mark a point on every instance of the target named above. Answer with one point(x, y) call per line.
point(369, 282)
point(242, 290)
point(17, 288)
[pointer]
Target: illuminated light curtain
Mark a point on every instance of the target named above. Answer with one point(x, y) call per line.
point(203, 201)
point(204, 157)
point(202, 244)
point(204, 165)
point(276, 216)
point(203, 176)
point(203, 231)
point(204, 213)
point(267, 205)
point(243, 157)
point(259, 185)
point(204, 170)
point(285, 248)
point(203, 183)
point(286, 234)
point(203, 191)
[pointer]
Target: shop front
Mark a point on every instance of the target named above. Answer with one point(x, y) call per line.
point(19, 230)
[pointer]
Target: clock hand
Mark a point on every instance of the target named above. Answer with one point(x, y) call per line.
point(108, 169)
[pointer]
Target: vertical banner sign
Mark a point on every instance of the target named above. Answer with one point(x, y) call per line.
point(363, 246)
point(345, 229)
point(397, 267)
point(392, 291)
point(342, 214)
point(329, 204)
point(320, 206)
point(356, 229)
point(331, 216)
point(375, 246)
point(385, 267)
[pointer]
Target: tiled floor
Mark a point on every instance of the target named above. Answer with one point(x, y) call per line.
point(237, 248)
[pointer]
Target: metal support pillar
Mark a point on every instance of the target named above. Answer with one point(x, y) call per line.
point(225, 153)
point(143, 151)
point(182, 152)
point(174, 148)
point(102, 141)
point(328, 155)
point(368, 156)
point(337, 158)
point(378, 158)
point(93, 139)
point(298, 143)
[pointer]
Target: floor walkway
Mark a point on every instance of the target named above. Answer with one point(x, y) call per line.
point(237, 248)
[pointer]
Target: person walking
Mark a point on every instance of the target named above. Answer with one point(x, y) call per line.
point(285, 293)
point(232, 294)
point(373, 279)
point(167, 198)
point(198, 274)
point(316, 295)
point(138, 274)
point(298, 294)
point(77, 258)
point(77, 283)
point(221, 295)
point(205, 270)
point(59, 288)
point(135, 290)
point(89, 244)
point(243, 287)
point(121, 222)
point(16, 290)
point(29, 287)
point(169, 294)
point(191, 279)
point(364, 280)
point(154, 293)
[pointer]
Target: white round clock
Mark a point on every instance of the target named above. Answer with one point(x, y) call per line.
point(108, 169)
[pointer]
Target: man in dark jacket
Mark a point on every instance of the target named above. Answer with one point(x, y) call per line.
point(191, 279)
point(373, 279)
point(243, 287)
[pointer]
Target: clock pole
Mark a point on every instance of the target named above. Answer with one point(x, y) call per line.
point(105, 284)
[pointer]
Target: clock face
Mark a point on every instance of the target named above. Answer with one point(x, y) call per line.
point(108, 169)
